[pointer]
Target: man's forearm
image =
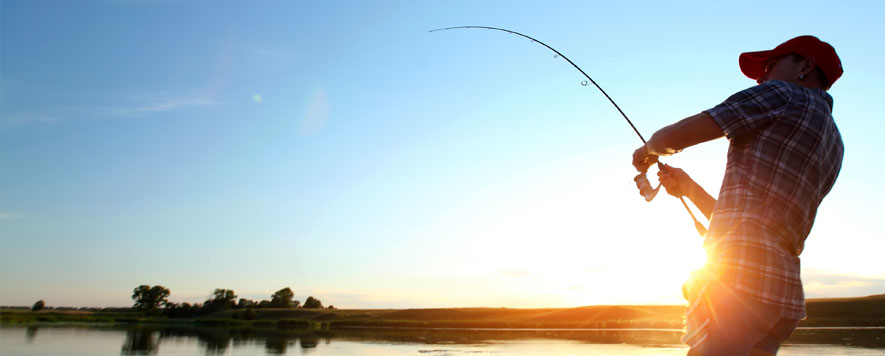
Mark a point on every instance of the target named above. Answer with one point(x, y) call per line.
point(684, 133)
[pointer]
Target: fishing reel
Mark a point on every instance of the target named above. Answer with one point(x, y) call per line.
point(649, 193)
point(645, 188)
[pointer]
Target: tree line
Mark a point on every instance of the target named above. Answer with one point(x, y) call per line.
point(154, 300)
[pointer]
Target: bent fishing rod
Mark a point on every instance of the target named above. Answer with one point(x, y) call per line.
point(641, 179)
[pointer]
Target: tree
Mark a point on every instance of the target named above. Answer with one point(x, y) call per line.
point(222, 299)
point(313, 303)
point(183, 310)
point(282, 298)
point(38, 306)
point(246, 303)
point(150, 299)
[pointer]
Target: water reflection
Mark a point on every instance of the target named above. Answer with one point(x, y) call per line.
point(192, 340)
point(276, 345)
point(309, 342)
point(279, 344)
point(31, 333)
point(145, 340)
point(214, 341)
point(140, 341)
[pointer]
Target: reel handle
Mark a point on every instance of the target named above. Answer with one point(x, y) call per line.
point(645, 188)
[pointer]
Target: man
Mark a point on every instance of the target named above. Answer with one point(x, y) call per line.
point(784, 155)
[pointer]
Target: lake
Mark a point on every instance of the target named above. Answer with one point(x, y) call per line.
point(185, 340)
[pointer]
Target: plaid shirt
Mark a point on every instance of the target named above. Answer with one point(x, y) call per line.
point(783, 157)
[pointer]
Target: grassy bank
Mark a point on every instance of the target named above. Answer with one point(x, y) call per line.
point(864, 311)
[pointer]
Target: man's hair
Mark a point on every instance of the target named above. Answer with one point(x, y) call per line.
point(822, 78)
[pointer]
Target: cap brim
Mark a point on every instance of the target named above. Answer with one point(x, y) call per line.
point(753, 63)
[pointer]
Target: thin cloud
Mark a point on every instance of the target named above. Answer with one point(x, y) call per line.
point(27, 119)
point(10, 215)
point(154, 105)
point(145, 2)
point(820, 284)
point(131, 107)
point(516, 273)
point(352, 299)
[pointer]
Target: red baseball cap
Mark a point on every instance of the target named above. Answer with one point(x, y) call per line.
point(753, 63)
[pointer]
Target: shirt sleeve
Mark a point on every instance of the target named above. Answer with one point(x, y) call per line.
point(751, 109)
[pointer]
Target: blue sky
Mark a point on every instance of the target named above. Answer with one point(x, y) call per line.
point(340, 149)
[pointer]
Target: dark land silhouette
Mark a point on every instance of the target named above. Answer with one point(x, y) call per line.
point(833, 312)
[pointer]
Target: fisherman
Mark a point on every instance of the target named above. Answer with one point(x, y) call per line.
point(784, 155)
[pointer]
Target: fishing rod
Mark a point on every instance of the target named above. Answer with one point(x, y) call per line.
point(641, 179)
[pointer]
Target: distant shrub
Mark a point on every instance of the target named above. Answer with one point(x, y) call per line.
point(282, 298)
point(149, 299)
point(313, 303)
point(38, 306)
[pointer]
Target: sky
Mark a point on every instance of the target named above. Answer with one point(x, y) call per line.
point(340, 149)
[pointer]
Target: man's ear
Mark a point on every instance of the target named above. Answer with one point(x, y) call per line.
point(808, 66)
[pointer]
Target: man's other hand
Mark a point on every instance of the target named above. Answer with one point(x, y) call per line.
point(675, 181)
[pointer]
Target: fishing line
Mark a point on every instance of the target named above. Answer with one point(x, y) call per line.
point(563, 57)
point(641, 180)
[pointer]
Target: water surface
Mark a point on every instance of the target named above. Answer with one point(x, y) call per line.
point(167, 340)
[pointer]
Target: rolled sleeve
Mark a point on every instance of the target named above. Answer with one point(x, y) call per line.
point(751, 109)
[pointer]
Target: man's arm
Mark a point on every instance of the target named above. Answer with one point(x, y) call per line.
point(676, 137)
point(678, 183)
point(673, 139)
point(684, 133)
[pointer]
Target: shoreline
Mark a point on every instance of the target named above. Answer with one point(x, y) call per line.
point(827, 313)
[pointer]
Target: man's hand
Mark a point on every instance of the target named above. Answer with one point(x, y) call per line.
point(642, 159)
point(678, 184)
point(675, 181)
